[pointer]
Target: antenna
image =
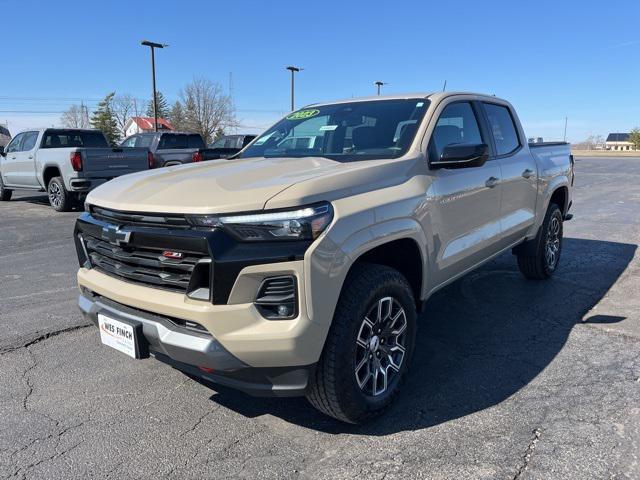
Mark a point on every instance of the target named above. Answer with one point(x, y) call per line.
point(445, 85)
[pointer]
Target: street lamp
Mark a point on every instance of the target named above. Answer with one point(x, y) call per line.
point(293, 71)
point(153, 46)
point(379, 84)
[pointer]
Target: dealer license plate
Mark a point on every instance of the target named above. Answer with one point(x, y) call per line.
point(118, 335)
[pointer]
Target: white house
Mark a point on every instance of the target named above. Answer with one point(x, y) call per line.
point(145, 124)
point(618, 141)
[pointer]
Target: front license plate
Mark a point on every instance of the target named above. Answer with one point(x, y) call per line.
point(118, 335)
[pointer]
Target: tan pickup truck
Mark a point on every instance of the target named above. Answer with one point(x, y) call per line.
point(299, 268)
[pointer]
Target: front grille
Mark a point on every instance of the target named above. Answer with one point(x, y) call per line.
point(142, 265)
point(139, 219)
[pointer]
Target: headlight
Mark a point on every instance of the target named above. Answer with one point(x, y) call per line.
point(305, 223)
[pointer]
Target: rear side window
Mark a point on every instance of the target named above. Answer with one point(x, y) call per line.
point(195, 141)
point(71, 138)
point(169, 141)
point(29, 141)
point(457, 124)
point(503, 128)
point(144, 141)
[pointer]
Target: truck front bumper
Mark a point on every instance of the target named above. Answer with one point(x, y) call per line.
point(198, 353)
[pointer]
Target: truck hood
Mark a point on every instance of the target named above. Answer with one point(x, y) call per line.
point(220, 186)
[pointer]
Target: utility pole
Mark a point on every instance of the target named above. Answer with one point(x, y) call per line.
point(293, 71)
point(153, 46)
point(565, 129)
point(379, 84)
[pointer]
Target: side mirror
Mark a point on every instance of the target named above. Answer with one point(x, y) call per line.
point(2, 151)
point(462, 155)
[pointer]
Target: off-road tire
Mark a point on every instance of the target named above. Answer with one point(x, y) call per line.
point(333, 388)
point(59, 198)
point(5, 195)
point(537, 266)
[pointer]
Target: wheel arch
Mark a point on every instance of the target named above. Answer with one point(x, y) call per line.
point(48, 173)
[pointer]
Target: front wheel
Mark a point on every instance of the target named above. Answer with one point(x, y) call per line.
point(543, 261)
point(369, 346)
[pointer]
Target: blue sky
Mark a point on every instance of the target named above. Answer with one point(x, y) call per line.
point(551, 59)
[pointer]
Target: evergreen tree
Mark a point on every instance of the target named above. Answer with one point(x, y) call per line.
point(163, 106)
point(219, 133)
point(177, 116)
point(104, 119)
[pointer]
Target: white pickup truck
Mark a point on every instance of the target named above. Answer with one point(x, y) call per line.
point(66, 163)
point(300, 268)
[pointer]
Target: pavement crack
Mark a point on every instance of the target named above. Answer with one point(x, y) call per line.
point(528, 454)
point(43, 337)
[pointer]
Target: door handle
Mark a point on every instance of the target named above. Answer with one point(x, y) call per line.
point(30, 157)
point(492, 182)
point(528, 173)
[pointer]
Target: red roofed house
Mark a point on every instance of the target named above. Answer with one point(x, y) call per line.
point(145, 124)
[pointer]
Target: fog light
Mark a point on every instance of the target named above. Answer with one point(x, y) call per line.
point(283, 310)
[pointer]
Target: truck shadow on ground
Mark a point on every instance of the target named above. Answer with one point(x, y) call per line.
point(480, 341)
point(41, 199)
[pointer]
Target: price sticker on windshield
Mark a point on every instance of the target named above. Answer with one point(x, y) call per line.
point(303, 114)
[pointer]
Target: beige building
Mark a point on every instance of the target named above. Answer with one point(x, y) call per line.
point(618, 141)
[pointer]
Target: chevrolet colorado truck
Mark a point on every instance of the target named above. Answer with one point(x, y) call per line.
point(301, 269)
point(66, 163)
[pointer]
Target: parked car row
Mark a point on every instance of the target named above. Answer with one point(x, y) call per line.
point(68, 163)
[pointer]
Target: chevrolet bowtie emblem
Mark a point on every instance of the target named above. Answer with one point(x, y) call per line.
point(115, 235)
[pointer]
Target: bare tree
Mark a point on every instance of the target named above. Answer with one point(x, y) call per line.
point(207, 107)
point(76, 116)
point(124, 107)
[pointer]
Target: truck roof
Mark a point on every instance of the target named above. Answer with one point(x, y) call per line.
point(436, 96)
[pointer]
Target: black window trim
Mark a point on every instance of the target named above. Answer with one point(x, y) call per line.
point(515, 126)
point(482, 127)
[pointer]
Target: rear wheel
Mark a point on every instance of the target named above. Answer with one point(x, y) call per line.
point(543, 261)
point(59, 198)
point(369, 346)
point(5, 195)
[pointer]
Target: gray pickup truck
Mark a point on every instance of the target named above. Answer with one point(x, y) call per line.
point(169, 148)
point(66, 163)
point(299, 268)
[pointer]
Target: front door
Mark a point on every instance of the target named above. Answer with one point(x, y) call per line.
point(25, 164)
point(11, 160)
point(466, 216)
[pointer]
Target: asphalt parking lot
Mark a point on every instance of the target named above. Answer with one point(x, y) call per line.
point(512, 379)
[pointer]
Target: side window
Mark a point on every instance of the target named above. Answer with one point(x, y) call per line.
point(195, 141)
point(457, 124)
point(503, 128)
point(144, 141)
point(14, 146)
point(29, 141)
point(129, 142)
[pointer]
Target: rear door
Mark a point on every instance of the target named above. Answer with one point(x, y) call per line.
point(467, 207)
point(519, 173)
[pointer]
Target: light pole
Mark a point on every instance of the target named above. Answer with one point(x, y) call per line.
point(293, 71)
point(379, 84)
point(153, 46)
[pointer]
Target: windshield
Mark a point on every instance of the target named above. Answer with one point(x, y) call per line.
point(344, 132)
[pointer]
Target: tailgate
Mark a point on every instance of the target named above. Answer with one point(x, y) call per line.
point(113, 162)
